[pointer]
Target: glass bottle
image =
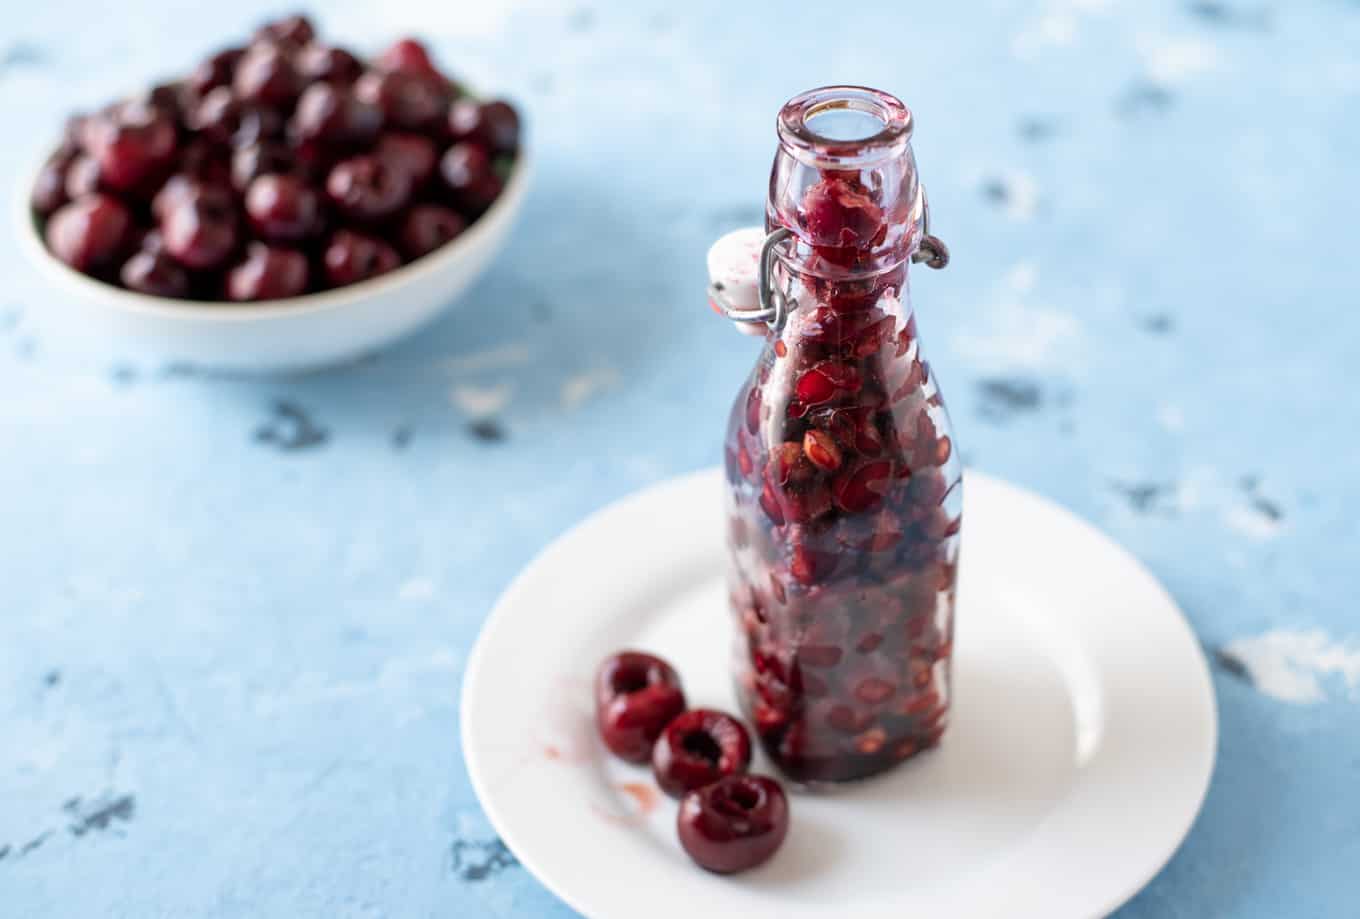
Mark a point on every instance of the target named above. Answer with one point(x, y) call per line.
point(845, 494)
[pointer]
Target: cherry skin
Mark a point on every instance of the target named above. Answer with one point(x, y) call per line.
point(471, 183)
point(406, 54)
point(328, 64)
point(156, 274)
point(283, 208)
point(267, 273)
point(225, 120)
point(426, 227)
point(290, 30)
point(181, 187)
point(214, 71)
point(206, 162)
point(839, 212)
point(734, 824)
point(367, 188)
point(199, 231)
point(860, 489)
point(49, 191)
point(698, 748)
point(250, 162)
point(636, 696)
point(89, 232)
point(82, 177)
point(133, 146)
point(334, 115)
point(409, 101)
point(266, 76)
point(493, 125)
point(411, 152)
point(351, 257)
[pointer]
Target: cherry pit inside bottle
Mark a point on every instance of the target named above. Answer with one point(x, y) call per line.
point(844, 493)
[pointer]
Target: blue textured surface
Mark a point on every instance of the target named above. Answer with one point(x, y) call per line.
point(229, 670)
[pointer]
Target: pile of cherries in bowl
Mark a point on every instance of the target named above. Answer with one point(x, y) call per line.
point(729, 820)
point(283, 167)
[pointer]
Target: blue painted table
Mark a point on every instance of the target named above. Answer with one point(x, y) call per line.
point(236, 613)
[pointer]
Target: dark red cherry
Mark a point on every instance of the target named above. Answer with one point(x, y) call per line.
point(471, 183)
point(133, 147)
point(180, 187)
point(351, 257)
point(413, 153)
point(409, 101)
point(283, 208)
point(367, 188)
point(267, 273)
point(328, 64)
point(82, 177)
point(334, 115)
point(699, 747)
point(492, 125)
point(226, 121)
point(267, 77)
point(156, 274)
point(734, 824)
point(426, 227)
point(152, 242)
point(636, 696)
point(214, 71)
point(294, 30)
point(90, 232)
point(49, 190)
point(166, 98)
point(206, 161)
point(406, 54)
point(258, 123)
point(200, 231)
point(265, 158)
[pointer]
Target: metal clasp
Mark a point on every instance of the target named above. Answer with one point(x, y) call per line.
point(775, 307)
point(932, 250)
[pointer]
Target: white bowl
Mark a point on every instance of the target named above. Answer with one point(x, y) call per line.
point(281, 335)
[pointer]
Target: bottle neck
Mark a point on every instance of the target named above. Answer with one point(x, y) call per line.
point(844, 181)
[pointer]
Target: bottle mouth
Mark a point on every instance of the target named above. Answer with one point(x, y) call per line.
point(844, 126)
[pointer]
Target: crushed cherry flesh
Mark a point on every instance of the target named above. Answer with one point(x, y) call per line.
point(844, 500)
point(636, 696)
point(733, 824)
point(277, 168)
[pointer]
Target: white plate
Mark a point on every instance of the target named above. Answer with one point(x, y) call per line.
point(1080, 748)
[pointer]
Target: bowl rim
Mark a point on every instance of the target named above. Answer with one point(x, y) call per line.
point(35, 248)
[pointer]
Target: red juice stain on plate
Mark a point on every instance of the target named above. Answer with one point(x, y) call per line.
point(644, 796)
point(566, 726)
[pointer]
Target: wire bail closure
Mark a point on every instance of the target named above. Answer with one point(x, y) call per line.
point(932, 250)
point(775, 307)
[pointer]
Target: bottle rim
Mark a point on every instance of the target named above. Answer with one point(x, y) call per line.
point(799, 135)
